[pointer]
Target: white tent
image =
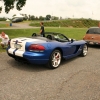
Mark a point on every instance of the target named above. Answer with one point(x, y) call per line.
point(7, 20)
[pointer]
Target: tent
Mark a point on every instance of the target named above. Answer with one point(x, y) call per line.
point(7, 20)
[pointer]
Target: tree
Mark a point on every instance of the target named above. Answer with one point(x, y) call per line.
point(25, 17)
point(48, 17)
point(41, 18)
point(9, 4)
point(32, 17)
point(54, 18)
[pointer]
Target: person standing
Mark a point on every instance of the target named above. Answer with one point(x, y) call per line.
point(5, 39)
point(42, 32)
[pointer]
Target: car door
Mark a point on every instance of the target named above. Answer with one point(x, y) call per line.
point(70, 49)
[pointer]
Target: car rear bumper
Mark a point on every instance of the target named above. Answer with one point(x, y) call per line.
point(29, 57)
point(93, 43)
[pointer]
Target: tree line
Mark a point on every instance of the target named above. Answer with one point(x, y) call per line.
point(32, 17)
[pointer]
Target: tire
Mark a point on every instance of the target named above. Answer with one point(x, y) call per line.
point(84, 50)
point(55, 59)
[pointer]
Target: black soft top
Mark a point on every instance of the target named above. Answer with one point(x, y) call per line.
point(52, 36)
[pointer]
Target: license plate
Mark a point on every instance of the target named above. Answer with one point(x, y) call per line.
point(18, 46)
point(91, 43)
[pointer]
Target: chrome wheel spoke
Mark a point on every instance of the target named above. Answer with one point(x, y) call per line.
point(85, 50)
point(56, 59)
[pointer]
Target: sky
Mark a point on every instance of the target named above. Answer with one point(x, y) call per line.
point(59, 8)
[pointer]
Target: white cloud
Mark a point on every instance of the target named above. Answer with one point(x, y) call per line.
point(63, 8)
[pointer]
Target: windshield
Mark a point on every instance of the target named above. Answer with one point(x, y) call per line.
point(93, 31)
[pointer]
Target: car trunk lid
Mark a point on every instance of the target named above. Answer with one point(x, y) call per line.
point(92, 37)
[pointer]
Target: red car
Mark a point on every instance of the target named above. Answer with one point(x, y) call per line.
point(92, 36)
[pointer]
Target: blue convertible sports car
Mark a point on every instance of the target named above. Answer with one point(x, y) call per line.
point(48, 50)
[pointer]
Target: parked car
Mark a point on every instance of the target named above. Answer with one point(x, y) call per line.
point(15, 20)
point(48, 50)
point(92, 36)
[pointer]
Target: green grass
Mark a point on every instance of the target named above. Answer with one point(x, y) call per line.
point(3, 25)
point(75, 23)
point(76, 33)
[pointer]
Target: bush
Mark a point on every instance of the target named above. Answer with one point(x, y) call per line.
point(78, 23)
point(2, 19)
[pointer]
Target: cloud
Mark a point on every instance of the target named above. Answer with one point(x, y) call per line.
point(63, 8)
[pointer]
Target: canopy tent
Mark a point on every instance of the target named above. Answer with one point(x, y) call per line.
point(7, 20)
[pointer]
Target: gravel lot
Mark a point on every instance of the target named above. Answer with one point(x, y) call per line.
point(75, 79)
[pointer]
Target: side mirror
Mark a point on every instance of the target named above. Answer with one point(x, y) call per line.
point(72, 40)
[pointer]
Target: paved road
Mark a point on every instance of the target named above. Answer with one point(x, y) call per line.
point(21, 25)
point(75, 79)
point(18, 26)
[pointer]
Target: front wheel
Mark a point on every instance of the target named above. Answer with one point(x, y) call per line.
point(55, 59)
point(84, 50)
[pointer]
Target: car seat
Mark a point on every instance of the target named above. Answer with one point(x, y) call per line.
point(34, 34)
point(51, 37)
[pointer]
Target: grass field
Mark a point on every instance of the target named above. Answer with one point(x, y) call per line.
point(4, 25)
point(76, 33)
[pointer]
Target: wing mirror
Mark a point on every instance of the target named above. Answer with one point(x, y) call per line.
point(72, 40)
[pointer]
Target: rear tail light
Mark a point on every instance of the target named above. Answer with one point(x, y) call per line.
point(36, 48)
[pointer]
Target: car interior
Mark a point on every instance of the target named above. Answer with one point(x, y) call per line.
point(57, 37)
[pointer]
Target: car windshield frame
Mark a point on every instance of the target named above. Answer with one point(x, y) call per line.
point(58, 36)
point(93, 31)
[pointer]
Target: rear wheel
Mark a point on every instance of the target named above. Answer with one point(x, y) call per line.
point(55, 59)
point(84, 51)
